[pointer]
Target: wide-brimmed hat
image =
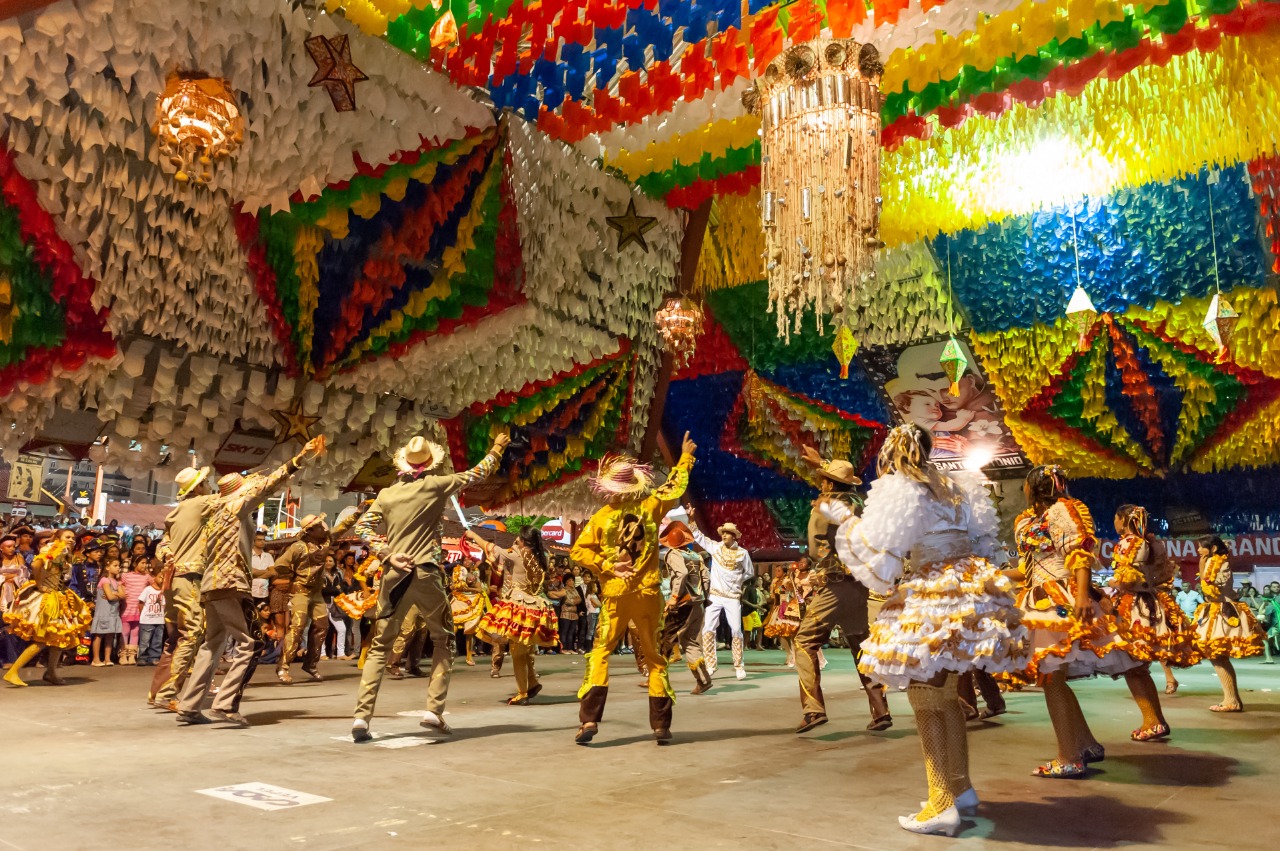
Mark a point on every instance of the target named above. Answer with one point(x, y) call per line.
point(840, 471)
point(313, 520)
point(730, 528)
point(676, 535)
point(188, 479)
point(230, 483)
point(18, 531)
point(419, 455)
point(621, 477)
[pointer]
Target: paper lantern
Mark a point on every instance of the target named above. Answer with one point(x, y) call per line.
point(954, 362)
point(845, 346)
point(679, 324)
point(819, 104)
point(1081, 313)
point(197, 122)
point(1220, 323)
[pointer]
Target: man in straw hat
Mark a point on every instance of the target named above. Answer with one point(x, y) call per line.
point(413, 581)
point(682, 618)
point(620, 546)
point(731, 570)
point(837, 600)
point(226, 590)
point(302, 566)
point(181, 551)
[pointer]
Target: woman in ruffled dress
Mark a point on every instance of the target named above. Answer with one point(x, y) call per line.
point(784, 618)
point(1073, 634)
point(45, 613)
point(1225, 628)
point(523, 618)
point(955, 613)
point(1154, 626)
point(470, 602)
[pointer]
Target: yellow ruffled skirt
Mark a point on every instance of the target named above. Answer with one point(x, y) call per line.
point(950, 616)
point(357, 604)
point(468, 609)
point(520, 623)
point(52, 618)
point(1156, 629)
point(1227, 628)
point(1059, 640)
point(784, 620)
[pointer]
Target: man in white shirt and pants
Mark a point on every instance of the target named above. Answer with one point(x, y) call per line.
point(731, 569)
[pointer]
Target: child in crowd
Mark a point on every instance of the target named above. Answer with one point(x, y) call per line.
point(107, 625)
point(134, 583)
point(151, 624)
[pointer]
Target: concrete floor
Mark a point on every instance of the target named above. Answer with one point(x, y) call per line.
point(88, 767)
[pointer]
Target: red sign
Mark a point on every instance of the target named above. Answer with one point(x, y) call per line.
point(555, 530)
point(1247, 552)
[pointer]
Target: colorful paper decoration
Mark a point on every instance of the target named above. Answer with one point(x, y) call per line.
point(334, 70)
point(954, 363)
point(295, 425)
point(844, 346)
point(1220, 323)
point(558, 426)
point(632, 227)
point(1081, 312)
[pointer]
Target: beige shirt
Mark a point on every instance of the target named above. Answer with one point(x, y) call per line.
point(184, 534)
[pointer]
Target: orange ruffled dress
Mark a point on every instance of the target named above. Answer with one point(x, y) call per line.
point(784, 620)
point(470, 602)
point(522, 615)
point(1224, 627)
point(360, 602)
point(44, 611)
point(1155, 627)
point(1051, 547)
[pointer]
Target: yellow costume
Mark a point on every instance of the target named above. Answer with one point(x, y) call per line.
point(620, 546)
point(1224, 627)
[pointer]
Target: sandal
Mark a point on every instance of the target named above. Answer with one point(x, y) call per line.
point(1150, 734)
point(1222, 707)
point(586, 733)
point(518, 700)
point(1171, 687)
point(1059, 770)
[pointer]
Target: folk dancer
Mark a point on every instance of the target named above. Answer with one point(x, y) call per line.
point(413, 581)
point(731, 570)
point(226, 591)
point(682, 617)
point(620, 546)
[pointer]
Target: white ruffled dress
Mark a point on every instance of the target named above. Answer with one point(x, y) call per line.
point(955, 611)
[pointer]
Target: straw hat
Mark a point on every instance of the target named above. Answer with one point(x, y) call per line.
point(230, 483)
point(188, 479)
point(622, 478)
point(419, 455)
point(840, 471)
point(731, 529)
point(676, 535)
point(313, 520)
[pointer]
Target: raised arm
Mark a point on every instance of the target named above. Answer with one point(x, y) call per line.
point(483, 470)
point(257, 490)
point(366, 528)
point(669, 494)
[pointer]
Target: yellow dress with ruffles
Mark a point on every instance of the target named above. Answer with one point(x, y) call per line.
point(523, 615)
point(44, 611)
point(1155, 627)
point(469, 603)
point(1224, 627)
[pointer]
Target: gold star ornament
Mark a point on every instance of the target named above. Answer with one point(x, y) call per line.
point(294, 424)
point(335, 70)
point(632, 227)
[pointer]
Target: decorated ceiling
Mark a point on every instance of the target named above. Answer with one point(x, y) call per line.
point(429, 227)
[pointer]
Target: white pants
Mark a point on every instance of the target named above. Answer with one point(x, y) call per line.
point(339, 627)
point(732, 610)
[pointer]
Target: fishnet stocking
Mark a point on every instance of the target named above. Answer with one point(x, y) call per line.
point(929, 705)
point(1227, 676)
point(957, 738)
point(1069, 726)
point(1143, 689)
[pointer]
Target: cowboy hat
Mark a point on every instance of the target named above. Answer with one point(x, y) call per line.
point(419, 455)
point(730, 528)
point(840, 471)
point(313, 520)
point(676, 535)
point(622, 478)
point(188, 479)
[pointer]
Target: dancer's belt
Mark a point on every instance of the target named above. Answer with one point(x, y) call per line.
point(941, 547)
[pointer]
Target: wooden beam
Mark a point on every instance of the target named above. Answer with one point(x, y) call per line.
point(690, 250)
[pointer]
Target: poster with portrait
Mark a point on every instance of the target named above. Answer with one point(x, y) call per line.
point(968, 430)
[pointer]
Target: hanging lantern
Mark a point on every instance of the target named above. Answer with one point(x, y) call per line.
point(954, 363)
point(1220, 322)
point(845, 346)
point(1081, 313)
point(819, 105)
point(198, 121)
point(679, 324)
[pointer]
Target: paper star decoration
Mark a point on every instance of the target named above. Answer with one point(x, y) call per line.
point(335, 70)
point(294, 424)
point(632, 227)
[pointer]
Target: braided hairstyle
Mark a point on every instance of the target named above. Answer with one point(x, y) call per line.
point(906, 451)
point(531, 537)
point(1046, 484)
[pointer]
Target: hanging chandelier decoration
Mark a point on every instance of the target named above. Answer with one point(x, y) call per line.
point(1080, 310)
point(198, 122)
point(679, 324)
point(819, 104)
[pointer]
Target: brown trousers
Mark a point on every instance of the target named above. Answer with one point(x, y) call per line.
point(183, 635)
point(305, 609)
point(843, 603)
